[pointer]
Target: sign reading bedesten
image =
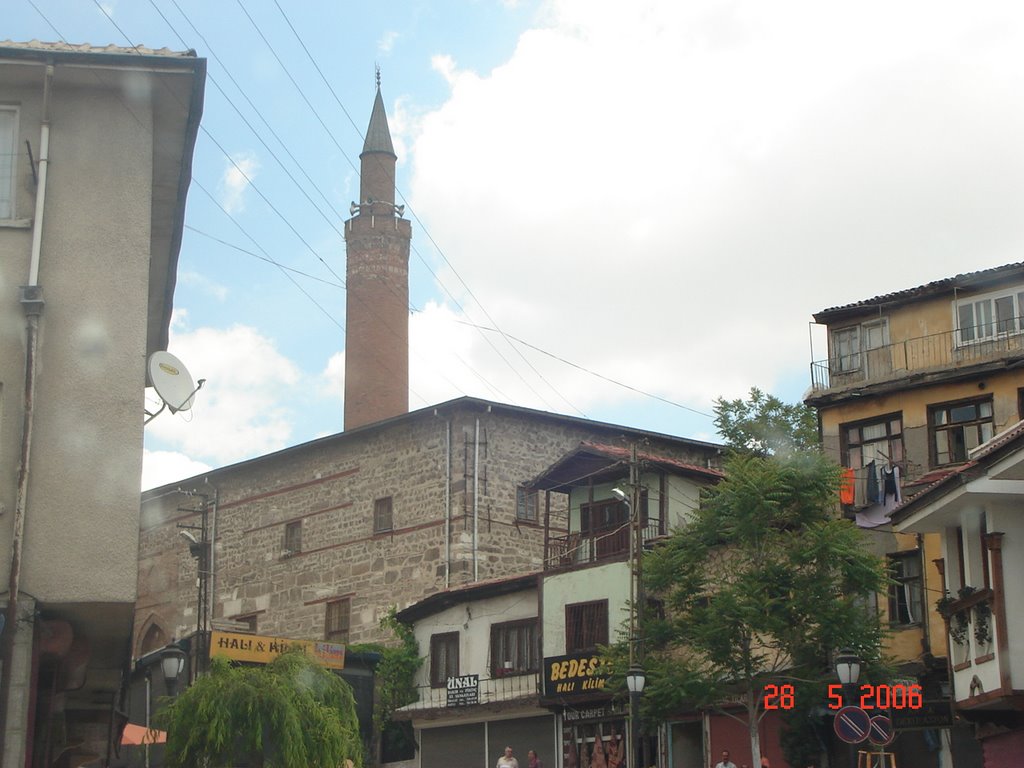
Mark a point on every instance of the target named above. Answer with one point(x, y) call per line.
point(261, 650)
point(574, 674)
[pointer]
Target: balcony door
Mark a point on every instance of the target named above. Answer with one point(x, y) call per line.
point(607, 524)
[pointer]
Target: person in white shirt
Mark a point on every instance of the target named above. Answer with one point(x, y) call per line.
point(507, 761)
point(725, 762)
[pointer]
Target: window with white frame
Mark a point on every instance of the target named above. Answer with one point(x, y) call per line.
point(8, 147)
point(989, 316)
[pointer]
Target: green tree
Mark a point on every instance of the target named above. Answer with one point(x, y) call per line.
point(291, 713)
point(759, 589)
point(765, 425)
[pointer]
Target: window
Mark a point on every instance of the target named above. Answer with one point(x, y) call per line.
point(382, 515)
point(846, 349)
point(879, 440)
point(905, 597)
point(336, 620)
point(848, 344)
point(250, 621)
point(586, 626)
point(514, 648)
point(8, 147)
point(292, 538)
point(955, 429)
point(527, 504)
point(444, 658)
point(980, 318)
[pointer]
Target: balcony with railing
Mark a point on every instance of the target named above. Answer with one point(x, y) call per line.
point(583, 548)
point(973, 647)
point(951, 350)
point(493, 690)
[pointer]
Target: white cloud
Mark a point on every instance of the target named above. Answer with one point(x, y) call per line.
point(666, 196)
point(332, 379)
point(244, 408)
point(238, 174)
point(164, 467)
point(386, 42)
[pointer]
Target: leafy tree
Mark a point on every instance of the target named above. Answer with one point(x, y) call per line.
point(765, 425)
point(290, 713)
point(759, 589)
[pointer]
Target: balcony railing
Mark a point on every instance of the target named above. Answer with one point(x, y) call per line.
point(491, 690)
point(939, 351)
point(578, 548)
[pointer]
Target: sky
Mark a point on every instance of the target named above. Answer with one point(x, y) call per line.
point(620, 212)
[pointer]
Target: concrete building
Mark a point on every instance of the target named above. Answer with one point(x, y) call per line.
point(914, 381)
point(95, 163)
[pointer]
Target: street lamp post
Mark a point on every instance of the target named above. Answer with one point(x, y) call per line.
point(635, 678)
point(172, 661)
point(635, 683)
point(848, 671)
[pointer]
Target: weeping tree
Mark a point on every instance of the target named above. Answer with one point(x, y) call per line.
point(290, 713)
point(758, 591)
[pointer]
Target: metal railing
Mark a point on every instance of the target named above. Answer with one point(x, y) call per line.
point(495, 689)
point(939, 351)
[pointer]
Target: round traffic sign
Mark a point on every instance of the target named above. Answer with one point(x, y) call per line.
point(881, 731)
point(852, 724)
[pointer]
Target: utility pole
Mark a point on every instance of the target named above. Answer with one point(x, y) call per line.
point(200, 548)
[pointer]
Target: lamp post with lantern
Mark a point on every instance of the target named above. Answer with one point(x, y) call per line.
point(847, 666)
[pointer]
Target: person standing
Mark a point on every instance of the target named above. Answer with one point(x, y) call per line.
point(532, 760)
point(725, 762)
point(508, 761)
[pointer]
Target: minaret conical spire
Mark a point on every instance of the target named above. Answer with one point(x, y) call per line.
point(377, 241)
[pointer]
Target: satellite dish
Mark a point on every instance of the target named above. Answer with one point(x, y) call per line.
point(172, 382)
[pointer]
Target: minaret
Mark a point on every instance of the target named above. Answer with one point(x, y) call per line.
point(377, 313)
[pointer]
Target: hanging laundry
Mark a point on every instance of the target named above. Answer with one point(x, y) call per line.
point(872, 472)
point(846, 494)
point(890, 485)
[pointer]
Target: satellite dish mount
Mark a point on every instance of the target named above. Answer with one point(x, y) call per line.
point(172, 382)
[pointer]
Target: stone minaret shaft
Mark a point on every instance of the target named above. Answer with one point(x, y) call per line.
point(377, 308)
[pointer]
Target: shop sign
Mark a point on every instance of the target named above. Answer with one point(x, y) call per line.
point(605, 712)
point(931, 714)
point(261, 649)
point(573, 675)
point(463, 690)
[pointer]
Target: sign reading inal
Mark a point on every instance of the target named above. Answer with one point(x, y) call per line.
point(261, 649)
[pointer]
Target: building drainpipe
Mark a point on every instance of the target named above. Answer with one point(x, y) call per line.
point(447, 503)
point(32, 303)
point(476, 501)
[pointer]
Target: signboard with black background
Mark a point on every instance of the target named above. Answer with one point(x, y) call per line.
point(574, 675)
point(463, 690)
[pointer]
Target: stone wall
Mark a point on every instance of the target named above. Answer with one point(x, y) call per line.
point(331, 485)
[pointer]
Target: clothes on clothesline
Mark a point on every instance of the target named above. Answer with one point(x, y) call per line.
point(876, 492)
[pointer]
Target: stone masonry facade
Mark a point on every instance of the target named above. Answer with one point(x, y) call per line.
point(330, 486)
